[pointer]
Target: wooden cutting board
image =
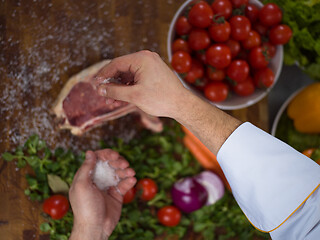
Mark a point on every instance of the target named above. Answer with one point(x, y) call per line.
point(42, 44)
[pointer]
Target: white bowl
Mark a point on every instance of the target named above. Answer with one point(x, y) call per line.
point(233, 102)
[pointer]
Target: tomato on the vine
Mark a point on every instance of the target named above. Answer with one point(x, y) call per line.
point(129, 196)
point(222, 8)
point(245, 88)
point(220, 30)
point(239, 3)
point(270, 15)
point(254, 40)
point(183, 26)
point(195, 72)
point(238, 70)
point(56, 206)
point(148, 187)
point(200, 15)
point(216, 91)
point(240, 27)
point(252, 12)
point(169, 216)
point(180, 44)
point(259, 57)
point(280, 34)
point(198, 39)
point(181, 62)
point(215, 74)
point(234, 47)
point(263, 78)
point(218, 56)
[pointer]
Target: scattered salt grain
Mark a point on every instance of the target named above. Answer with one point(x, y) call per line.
point(104, 176)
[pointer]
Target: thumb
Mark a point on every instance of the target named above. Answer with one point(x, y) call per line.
point(88, 165)
point(117, 91)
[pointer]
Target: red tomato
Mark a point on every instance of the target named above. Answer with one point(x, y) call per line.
point(238, 70)
point(252, 12)
point(215, 74)
point(216, 91)
point(56, 206)
point(240, 27)
point(239, 3)
point(259, 28)
point(169, 216)
point(243, 54)
point(270, 15)
point(182, 26)
point(196, 71)
point(220, 32)
point(201, 83)
point(267, 46)
point(201, 15)
point(180, 44)
point(280, 34)
point(149, 188)
point(259, 57)
point(181, 62)
point(244, 88)
point(129, 196)
point(263, 78)
point(222, 8)
point(198, 39)
point(254, 40)
point(234, 47)
point(218, 56)
point(201, 56)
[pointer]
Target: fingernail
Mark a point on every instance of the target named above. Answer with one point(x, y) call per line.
point(102, 91)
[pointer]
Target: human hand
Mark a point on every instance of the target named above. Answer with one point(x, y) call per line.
point(156, 89)
point(96, 212)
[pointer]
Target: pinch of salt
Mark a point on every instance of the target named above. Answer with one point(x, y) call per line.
point(104, 176)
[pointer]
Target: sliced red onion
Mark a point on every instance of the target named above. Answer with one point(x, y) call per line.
point(188, 195)
point(213, 184)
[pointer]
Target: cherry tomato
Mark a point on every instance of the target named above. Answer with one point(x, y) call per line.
point(239, 3)
point(238, 70)
point(243, 54)
point(259, 57)
point(234, 47)
point(216, 91)
point(270, 15)
point(182, 26)
point(201, 83)
point(240, 27)
point(218, 56)
point(254, 40)
point(270, 48)
point(259, 28)
point(196, 71)
point(149, 188)
point(200, 15)
point(263, 78)
point(280, 34)
point(215, 74)
point(169, 216)
point(308, 152)
point(252, 12)
point(222, 8)
point(198, 39)
point(56, 206)
point(181, 62)
point(244, 88)
point(220, 32)
point(129, 196)
point(180, 44)
point(201, 56)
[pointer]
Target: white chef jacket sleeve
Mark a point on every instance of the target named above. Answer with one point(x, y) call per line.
point(275, 185)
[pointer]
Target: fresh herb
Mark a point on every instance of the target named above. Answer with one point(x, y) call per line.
point(304, 48)
point(161, 157)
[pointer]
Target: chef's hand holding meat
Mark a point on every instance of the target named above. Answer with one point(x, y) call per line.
point(97, 192)
point(260, 169)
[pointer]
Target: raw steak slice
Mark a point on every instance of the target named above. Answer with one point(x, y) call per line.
point(80, 108)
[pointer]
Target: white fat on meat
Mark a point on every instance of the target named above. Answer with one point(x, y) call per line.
point(104, 176)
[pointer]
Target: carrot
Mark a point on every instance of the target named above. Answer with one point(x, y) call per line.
point(207, 161)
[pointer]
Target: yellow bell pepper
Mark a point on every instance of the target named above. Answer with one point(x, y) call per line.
point(304, 109)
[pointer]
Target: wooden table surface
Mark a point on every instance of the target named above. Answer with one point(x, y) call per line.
point(42, 44)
